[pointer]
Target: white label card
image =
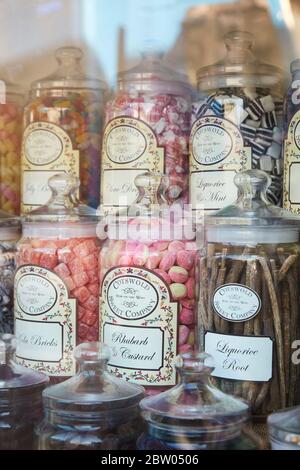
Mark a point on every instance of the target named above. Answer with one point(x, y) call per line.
point(45, 321)
point(139, 324)
point(247, 358)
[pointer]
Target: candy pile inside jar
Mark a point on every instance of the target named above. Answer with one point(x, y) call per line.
point(237, 124)
point(62, 131)
point(147, 128)
point(11, 113)
point(20, 399)
point(93, 410)
point(148, 285)
point(57, 280)
point(249, 297)
point(10, 232)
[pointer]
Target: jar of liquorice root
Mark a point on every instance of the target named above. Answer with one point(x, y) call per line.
point(195, 415)
point(249, 297)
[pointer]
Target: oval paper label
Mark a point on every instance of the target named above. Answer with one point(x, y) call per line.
point(125, 144)
point(131, 297)
point(211, 144)
point(236, 303)
point(35, 295)
point(42, 147)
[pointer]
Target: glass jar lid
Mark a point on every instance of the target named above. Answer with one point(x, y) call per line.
point(14, 377)
point(10, 226)
point(194, 407)
point(93, 391)
point(152, 75)
point(240, 67)
point(150, 217)
point(63, 215)
point(69, 73)
point(284, 427)
point(252, 218)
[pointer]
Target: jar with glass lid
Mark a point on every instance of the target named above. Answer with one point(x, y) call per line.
point(249, 297)
point(147, 126)
point(62, 131)
point(20, 399)
point(57, 281)
point(236, 125)
point(11, 113)
point(93, 410)
point(195, 415)
point(284, 429)
point(10, 233)
point(148, 287)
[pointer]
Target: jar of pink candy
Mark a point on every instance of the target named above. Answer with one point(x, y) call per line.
point(57, 282)
point(147, 129)
point(11, 112)
point(148, 287)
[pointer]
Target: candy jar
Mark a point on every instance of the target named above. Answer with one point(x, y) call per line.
point(249, 297)
point(93, 410)
point(237, 125)
point(195, 415)
point(11, 112)
point(10, 233)
point(148, 289)
point(62, 126)
point(57, 281)
point(291, 195)
point(284, 429)
point(20, 399)
point(146, 128)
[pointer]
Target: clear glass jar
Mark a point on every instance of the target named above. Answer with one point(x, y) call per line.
point(291, 199)
point(20, 399)
point(249, 297)
point(148, 288)
point(236, 125)
point(147, 127)
point(57, 281)
point(62, 131)
point(93, 410)
point(194, 415)
point(284, 429)
point(11, 114)
point(10, 233)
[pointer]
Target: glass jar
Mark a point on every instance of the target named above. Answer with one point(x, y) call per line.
point(284, 429)
point(11, 113)
point(291, 198)
point(249, 297)
point(148, 287)
point(10, 233)
point(93, 410)
point(20, 399)
point(62, 131)
point(147, 129)
point(194, 415)
point(237, 125)
point(57, 281)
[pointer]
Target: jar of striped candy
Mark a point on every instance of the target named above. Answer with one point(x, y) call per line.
point(236, 125)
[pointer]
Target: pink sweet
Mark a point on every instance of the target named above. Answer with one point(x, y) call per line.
point(125, 260)
point(185, 348)
point(178, 274)
point(153, 260)
point(187, 316)
point(190, 285)
point(168, 260)
point(186, 259)
point(178, 291)
point(141, 255)
point(184, 332)
point(176, 246)
point(164, 275)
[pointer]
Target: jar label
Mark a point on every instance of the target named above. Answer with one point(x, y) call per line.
point(129, 148)
point(240, 357)
point(45, 321)
point(217, 154)
point(139, 324)
point(291, 187)
point(236, 303)
point(46, 150)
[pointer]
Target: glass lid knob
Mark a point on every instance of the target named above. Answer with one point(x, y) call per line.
point(93, 355)
point(68, 55)
point(239, 45)
point(194, 364)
